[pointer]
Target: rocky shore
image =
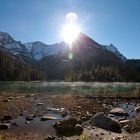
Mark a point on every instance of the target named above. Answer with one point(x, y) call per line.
point(67, 117)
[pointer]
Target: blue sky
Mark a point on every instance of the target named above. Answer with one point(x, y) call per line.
point(106, 21)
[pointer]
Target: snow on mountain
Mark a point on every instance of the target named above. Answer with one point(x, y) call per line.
point(38, 50)
point(5, 38)
point(114, 50)
point(13, 46)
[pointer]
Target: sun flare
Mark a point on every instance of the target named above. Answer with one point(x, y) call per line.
point(70, 32)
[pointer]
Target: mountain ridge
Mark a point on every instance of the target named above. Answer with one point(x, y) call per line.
point(87, 60)
point(30, 49)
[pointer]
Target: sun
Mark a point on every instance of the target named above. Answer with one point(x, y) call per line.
point(71, 28)
point(70, 32)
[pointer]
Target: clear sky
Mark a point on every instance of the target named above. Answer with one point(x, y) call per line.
point(106, 21)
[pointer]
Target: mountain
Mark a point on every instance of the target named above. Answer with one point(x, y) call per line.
point(38, 50)
point(13, 68)
point(87, 60)
point(114, 50)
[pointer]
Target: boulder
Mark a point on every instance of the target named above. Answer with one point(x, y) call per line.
point(105, 122)
point(4, 126)
point(68, 127)
point(119, 112)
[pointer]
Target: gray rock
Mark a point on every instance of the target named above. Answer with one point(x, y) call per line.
point(105, 122)
point(15, 124)
point(46, 117)
point(137, 109)
point(57, 110)
point(119, 112)
point(4, 126)
point(68, 127)
point(30, 117)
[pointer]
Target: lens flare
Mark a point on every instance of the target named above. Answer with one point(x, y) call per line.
point(70, 32)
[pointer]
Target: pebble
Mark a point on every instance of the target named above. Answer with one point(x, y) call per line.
point(40, 104)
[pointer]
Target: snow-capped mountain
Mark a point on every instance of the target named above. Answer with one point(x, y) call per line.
point(13, 46)
point(114, 50)
point(38, 50)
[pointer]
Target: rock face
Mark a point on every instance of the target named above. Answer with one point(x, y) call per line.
point(119, 112)
point(68, 127)
point(102, 121)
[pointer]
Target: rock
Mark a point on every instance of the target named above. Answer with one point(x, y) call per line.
point(30, 117)
point(10, 98)
point(119, 112)
point(137, 109)
point(78, 128)
point(27, 122)
point(57, 110)
point(89, 116)
point(46, 117)
point(63, 113)
point(15, 124)
point(102, 133)
point(68, 127)
point(78, 107)
point(7, 117)
point(6, 100)
point(50, 138)
point(124, 122)
point(4, 126)
point(105, 122)
point(40, 104)
point(29, 95)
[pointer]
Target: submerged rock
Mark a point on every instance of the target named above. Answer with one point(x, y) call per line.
point(30, 117)
point(119, 112)
point(107, 123)
point(57, 110)
point(46, 117)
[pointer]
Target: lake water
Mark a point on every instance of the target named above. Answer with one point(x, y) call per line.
point(67, 87)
